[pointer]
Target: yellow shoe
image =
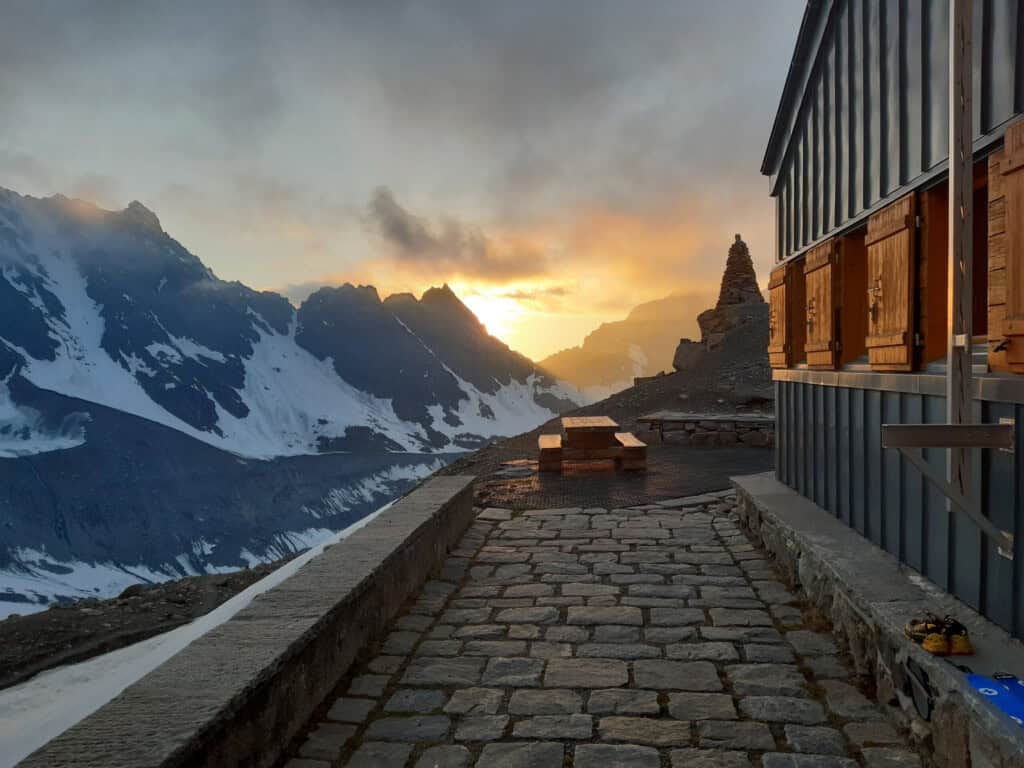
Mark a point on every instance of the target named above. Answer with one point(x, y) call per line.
point(937, 644)
point(959, 640)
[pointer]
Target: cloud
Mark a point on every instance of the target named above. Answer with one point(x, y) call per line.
point(537, 294)
point(605, 146)
point(448, 247)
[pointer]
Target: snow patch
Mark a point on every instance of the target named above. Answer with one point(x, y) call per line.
point(511, 410)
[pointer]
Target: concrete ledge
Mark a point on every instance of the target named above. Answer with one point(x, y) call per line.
point(869, 596)
point(239, 694)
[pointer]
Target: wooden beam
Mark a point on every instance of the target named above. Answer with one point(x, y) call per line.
point(947, 436)
point(961, 217)
point(1002, 539)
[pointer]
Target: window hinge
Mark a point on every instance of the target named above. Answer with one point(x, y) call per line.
point(917, 221)
point(918, 341)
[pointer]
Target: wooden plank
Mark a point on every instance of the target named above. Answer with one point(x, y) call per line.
point(602, 423)
point(947, 435)
point(549, 442)
point(891, 220)
point(629, 440)
point(997, 217)
point(821, 284)
point(1012, 289)
point(777, 353)
point(889, 340)
point(890, 291)
point(996, 252)
point(591, 454)
point(820, 256)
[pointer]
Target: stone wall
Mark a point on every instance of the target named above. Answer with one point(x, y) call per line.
point(720, 430)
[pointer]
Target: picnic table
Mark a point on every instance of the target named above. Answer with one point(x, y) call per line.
point(591, 438)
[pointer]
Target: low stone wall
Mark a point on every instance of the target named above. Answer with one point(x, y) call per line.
point(716, 429)
point(868, 596)
point(239, 694)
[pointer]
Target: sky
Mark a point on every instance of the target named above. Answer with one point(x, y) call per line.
point(557, 163)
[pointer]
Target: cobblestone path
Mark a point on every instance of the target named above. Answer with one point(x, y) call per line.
point(641, 637)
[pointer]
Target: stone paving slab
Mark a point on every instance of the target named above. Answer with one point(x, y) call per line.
point(648, 636)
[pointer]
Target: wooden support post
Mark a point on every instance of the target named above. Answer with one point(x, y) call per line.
point(960, 266)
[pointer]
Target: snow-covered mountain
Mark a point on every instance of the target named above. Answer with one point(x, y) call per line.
point(106, 307)
point(115, 341)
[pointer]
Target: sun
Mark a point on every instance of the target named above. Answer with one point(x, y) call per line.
point(497, 313)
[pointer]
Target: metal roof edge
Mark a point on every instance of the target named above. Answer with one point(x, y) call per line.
point(805, 53)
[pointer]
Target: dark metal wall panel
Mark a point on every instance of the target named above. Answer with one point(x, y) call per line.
point(878, 98)
point(913, 494)
point(858, 99)
point(858, 477)
point(832, 448)
point(1017, 592)
point(820, 453)
point(892, 89)
point(936, 514)
point(936, 82)
point(845, 443)
point(892, 481)
point(814, 131)
point(828, 120)
point(873, 463)
point(830, 451)
point(999, 62)
point(912, 106)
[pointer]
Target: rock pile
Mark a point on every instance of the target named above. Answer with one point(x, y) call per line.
point(739, 302)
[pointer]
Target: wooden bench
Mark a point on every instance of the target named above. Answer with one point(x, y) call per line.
point(634, 452)
point(628, 453)
point(550, 453)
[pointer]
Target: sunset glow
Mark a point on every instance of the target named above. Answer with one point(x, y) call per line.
point(555, 181)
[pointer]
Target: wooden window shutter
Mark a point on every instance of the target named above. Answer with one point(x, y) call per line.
point(821, 318)
point(1006, 254)
point(890, 293)
point(786, 314)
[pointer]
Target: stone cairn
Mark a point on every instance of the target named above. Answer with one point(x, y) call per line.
point(739, 302)
point(739, 283)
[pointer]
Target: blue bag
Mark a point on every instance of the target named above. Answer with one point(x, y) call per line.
point(1006, 693)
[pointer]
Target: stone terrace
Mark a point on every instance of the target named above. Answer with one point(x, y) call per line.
point(649, 636)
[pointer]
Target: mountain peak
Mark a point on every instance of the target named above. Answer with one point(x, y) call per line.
point(139, 214)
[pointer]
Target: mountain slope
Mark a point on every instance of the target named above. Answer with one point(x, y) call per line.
point(640, 345)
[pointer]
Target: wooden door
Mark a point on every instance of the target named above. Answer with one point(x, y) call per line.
point(890, 292)
point(821, 316)
point(1006, 254)
point(778, 354)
